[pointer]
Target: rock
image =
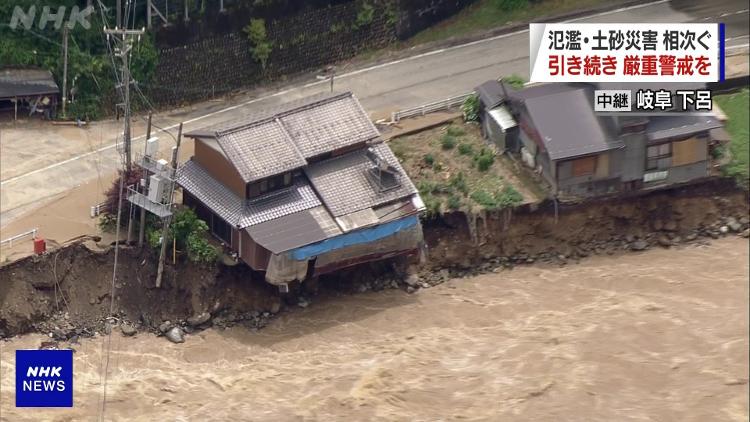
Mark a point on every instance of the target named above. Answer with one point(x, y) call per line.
point(165, 326)
point(275, 307)
point(724, 229)
point(303, 303)
point(127, 330)
point(664, 241)
point(629, 238)
point(670, 226)
point(412, 280)
point(410, 289)
point(199, 319)
point(639, 245)
point(744, 220)
point(92, 301)
point(745, 233)
point(657, 225)
point(734, 225)
point(176, 335)
point(691, 237)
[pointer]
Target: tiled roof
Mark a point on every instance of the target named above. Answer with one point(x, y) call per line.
point(261, 151)
point(344, 187)
point(279, 139)
point(235, 210)
point(222, 201)
point(298, 197)
point(330, 125)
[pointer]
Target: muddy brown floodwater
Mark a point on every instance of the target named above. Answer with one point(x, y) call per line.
point(660, 335)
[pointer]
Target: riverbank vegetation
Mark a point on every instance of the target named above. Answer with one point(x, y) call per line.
point(736, 106)
point(454, 168)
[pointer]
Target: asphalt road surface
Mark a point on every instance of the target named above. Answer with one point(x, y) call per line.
point(32, 174)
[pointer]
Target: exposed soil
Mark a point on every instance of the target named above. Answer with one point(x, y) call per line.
point(65, 293)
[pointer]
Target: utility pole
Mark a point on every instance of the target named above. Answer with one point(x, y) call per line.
point(142, 226)
point(124, 39)
point(65, 69)
point(168, 220)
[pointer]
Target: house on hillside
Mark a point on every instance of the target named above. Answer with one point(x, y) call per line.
point(582, 153)
point(30, 90)
point(302, 190)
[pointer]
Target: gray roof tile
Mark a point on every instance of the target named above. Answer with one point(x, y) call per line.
point(342, 184)
point(261, 151)
point(196, 180)
point(238, 212)
point(329, 126)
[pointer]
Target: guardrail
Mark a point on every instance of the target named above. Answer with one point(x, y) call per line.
point(445, 104)
point(96, 209)
point(10, 240)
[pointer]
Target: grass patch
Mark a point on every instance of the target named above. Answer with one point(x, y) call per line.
point(736, 107)
point(448, 141)
point(459, 182)
point(488, 14)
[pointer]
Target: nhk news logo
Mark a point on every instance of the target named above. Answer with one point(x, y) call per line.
point(44, 378)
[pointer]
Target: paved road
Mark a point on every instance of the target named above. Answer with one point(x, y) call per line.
point(30, 176)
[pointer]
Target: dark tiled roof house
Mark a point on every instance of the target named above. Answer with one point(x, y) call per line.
point(303, 189)
point(583, 153)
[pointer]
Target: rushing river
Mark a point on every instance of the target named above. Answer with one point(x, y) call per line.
point(660, 335)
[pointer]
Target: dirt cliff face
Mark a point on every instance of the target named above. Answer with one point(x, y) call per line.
point(67, 291)
point(659, 218)
point(73, 285)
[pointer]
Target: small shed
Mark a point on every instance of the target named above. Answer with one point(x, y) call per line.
point(496, 119)
point(28, 89)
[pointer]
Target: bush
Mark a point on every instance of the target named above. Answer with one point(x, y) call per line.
point(447, 141)
point(454, 202)
point(108, 221)
point(483, 198)
point(429, 159)
point(436, 167)
point(190, 233)
point(432, 205)
point(465, 149)
point(470, 108)
point(456, 131)
point(256, 34)
point(484, 159)
point(509, 5)
point(365, 16)
point(508, 197)
point(515, 81)
point(458, 181)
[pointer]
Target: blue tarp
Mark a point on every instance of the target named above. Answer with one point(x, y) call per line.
point(354, 238)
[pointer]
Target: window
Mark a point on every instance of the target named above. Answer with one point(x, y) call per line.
point(221, 229)
point(659, 157)
point(584, 166)
point(269, 185)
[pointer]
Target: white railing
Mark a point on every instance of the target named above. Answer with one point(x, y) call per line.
point(10, 240)
point(445, 104)
point(97, 209)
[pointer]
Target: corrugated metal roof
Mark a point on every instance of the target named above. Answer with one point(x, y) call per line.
point(344, 188)
point(503, 118)
point(567, 124)
point(26, 82)
point(662, 127)
point(287, 232)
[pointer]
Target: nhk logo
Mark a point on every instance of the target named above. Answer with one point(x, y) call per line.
point(44, 378)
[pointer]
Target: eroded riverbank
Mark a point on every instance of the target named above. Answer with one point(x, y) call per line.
point(659, 335)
